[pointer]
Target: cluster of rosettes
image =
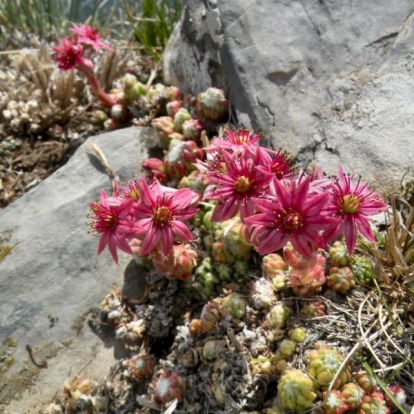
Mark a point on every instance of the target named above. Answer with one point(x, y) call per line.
point(328, 376)
point(181, 134)
point(227, 253)
point(307, 275)
point(79, 395)
point(116, 313)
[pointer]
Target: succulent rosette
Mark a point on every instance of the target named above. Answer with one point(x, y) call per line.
point(373, 403)
point(334, 402)
point(353, 394)
point(141, 366)
point(324, 364)
point(341, 279)
point(212, 104)
point(170, 386)
point(295, 391)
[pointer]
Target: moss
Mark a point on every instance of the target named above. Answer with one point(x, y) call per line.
point(10, 342)
point(5, 249)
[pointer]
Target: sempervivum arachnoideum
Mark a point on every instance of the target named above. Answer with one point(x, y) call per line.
point(373, 403)
point(353, 394)
point(165, 127)
point(363, 269)
point(140, 366)
point(339, 254)
point(212, 104)
point(334, 402)
point(295, 391)
point(340, 279)
point(170, 386)
point(323, 365)
point(181, 158)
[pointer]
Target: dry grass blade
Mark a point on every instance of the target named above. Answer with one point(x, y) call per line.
point(384, 330)
point(101, 157)
point(364, 333)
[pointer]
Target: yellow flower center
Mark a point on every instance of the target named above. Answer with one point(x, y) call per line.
point(242, 137)
point(292, 220)
point(133, 193)
point(162, 216)
point(242, 184)
point(350, 204)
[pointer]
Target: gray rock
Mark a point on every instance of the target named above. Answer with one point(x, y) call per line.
point(53, 276)
point(329, 81)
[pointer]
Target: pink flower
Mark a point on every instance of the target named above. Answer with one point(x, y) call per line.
point(111, 219)
point(130, 191)
point(235, 185)
point(280, 164)
point(214, 161)
point(289, 213)
point(69, 55)
point(87, 35)
point(353, 203)
point(161, 215)
point(238, 139)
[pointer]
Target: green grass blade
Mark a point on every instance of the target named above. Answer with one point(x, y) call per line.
point(383, 386)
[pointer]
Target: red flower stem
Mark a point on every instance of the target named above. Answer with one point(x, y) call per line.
point(106, 99)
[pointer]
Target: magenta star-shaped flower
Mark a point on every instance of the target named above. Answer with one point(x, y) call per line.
point(289, 213)
point(162, 216)
point(353, 203)
point(279, 163)
point(235, 185)
point(112, 220)
point(69, 55)
point(238, 139)
point(87, 35)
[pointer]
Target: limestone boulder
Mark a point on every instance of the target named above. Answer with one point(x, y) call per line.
point(52, 276)
point(329, 81)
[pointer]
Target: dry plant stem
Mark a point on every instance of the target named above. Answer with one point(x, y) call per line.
point(365, 339)
point(381, 317)
point(101, 157)
point(233, 340)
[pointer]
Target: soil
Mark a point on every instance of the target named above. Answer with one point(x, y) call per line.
point(41, 123)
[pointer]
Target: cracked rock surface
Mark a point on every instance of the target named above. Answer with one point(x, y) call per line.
point(52, 278)
point(329, 81)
